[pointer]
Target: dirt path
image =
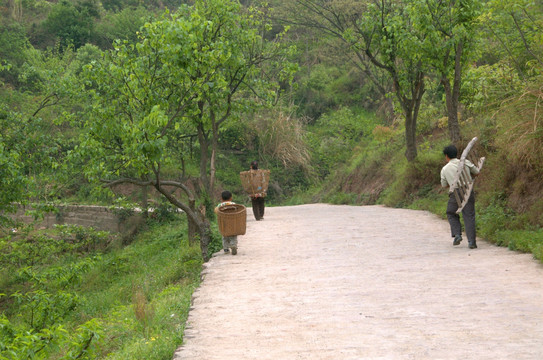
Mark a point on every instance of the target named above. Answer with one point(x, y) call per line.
point(344, 282)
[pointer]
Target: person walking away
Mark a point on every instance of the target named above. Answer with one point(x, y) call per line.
point(448, 173)
point(257, 199)
point(228, 242)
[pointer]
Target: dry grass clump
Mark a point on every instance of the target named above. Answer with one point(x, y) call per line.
point(516, 168)
point(282, 137)
point(521, 129)
point(143, 311)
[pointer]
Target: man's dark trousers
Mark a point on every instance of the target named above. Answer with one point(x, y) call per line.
point(468, 213)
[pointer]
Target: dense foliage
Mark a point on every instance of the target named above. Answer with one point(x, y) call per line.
point(346, 101)
point(77, 293)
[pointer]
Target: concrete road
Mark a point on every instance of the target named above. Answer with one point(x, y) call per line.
point(344, 282)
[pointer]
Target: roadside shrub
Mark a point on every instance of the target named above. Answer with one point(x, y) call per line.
point(215, 245)
point(414, 180)
point(341, 198)
point(334, 136)
point(34, 248)
point(164, 212)
point(84, 239)
point(17, 342)
point(493, 218)
point(41, 309)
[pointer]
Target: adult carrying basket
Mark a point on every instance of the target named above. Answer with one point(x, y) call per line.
point(232, 219)
point(255, 182)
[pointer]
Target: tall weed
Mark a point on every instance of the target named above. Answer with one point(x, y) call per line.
point(521, 128)
point(281, 137)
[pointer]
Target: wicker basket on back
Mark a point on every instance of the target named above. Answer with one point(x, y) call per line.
point(255, 181)
point(232, 219)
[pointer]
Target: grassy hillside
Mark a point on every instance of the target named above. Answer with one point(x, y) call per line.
point(508, 191)
point(75, 293)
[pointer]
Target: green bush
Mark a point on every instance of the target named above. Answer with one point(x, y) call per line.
point(435, 202)
point(493, 218)
point(341, 198)
point(122, 25)
point(13, 42)
point(414, 180)
point(335, 134)
point(215, 244)
point(71, 24)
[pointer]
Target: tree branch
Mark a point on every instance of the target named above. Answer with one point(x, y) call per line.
point(526, 45)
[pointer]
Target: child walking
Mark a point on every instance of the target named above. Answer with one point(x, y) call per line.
point(228, 242)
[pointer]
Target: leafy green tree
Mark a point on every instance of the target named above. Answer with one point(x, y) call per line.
point(383, 38)
point(181, 77)
point(388, 37)
point(47, 77)
point(318, 27)
point(12, 179)
point(30, 149)
point(122, 25)
point(247, 71)
point(516, 27)
point(72, 23)
point(449, 44)
point(13, 42)
point(142, 96)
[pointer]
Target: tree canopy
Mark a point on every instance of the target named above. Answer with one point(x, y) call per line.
point(182, 76)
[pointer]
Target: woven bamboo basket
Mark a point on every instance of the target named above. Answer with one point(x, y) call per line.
point(255, 181)
point(232, 219)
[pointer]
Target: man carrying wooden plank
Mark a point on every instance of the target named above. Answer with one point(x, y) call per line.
point(448, 178)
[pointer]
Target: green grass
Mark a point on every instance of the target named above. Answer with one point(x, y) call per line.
point(416, 186)
point(134, 299)
point(435, 203)
point(492, 224)
point(521, 240)
point(142, 294)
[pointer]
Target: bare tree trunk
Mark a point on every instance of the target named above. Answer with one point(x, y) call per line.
point(145, 200)
point(205, 234)
point(410, 136)
point(204, 156)
point(214, 149)
point(212, 169)
point(411, 108)
point(200, 222)
point(192, 226)
point(197, 217)
point(203, 139)
point(452, 113)
point(452, 96)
